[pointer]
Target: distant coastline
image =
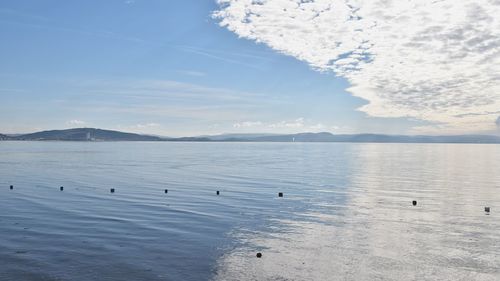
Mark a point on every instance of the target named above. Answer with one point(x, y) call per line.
point(93, 134)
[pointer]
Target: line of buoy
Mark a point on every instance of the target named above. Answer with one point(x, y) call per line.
point(486, 209)
point(280, 194)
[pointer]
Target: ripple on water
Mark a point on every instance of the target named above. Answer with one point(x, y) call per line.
point(346, 213)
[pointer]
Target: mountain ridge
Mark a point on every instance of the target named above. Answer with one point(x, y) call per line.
point(85, 134)
point(94, 134)
point(5, 137)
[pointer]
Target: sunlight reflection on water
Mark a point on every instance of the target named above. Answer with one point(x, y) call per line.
point(377, 234)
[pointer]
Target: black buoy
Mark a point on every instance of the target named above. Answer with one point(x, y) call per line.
point(487, 209)
point(414, 202)
point(166, 190)
point(11, 187)
point(259, 255)
point(112, 190)
point(280, 194)
point(217, 192)
point(61, 188)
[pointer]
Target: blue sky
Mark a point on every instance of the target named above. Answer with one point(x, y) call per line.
point(163, 67)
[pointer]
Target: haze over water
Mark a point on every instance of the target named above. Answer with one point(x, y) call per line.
point(346, 213)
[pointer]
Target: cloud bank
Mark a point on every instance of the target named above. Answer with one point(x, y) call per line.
point(434, 60)
point(286, 126)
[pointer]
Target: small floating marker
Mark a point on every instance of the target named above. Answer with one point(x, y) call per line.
point(112, 190)
point(280, 194)
point(166, 190)
point(217, 192)
point(11, 187)
point(487, 209)
point(259, 255)
point(61, 188)
point(414, 202)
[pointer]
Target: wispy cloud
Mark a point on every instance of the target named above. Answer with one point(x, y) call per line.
point(181, 108)
point(147, 90)
point(45, 24)
point(147, 125)
point(192, 73)
point(224, 57)
point(295, 125)
point(75, 122)
point(23, 15)
point(152, 128)
point(430, 60)
point(12, 90)
point(318, 127)
point(247, 124)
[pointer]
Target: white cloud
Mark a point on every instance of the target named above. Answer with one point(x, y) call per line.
point(317, 127)
point(437, 61)
point(142, 128)
point(147, 125)
point(247, 124)
point(75, 122)
point(297, 123)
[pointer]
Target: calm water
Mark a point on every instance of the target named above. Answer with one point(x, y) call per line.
point(346, 213)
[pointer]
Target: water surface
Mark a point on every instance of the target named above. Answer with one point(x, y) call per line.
point(346, 213)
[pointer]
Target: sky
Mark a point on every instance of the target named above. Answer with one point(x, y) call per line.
point(198, 67)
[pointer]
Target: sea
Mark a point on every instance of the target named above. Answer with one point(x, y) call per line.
point(205, 210)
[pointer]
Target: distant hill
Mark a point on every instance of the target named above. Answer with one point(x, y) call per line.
point(5, 137)
point(225, 137)
point(87, 134)
point(375, 138)
point(91, 134)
